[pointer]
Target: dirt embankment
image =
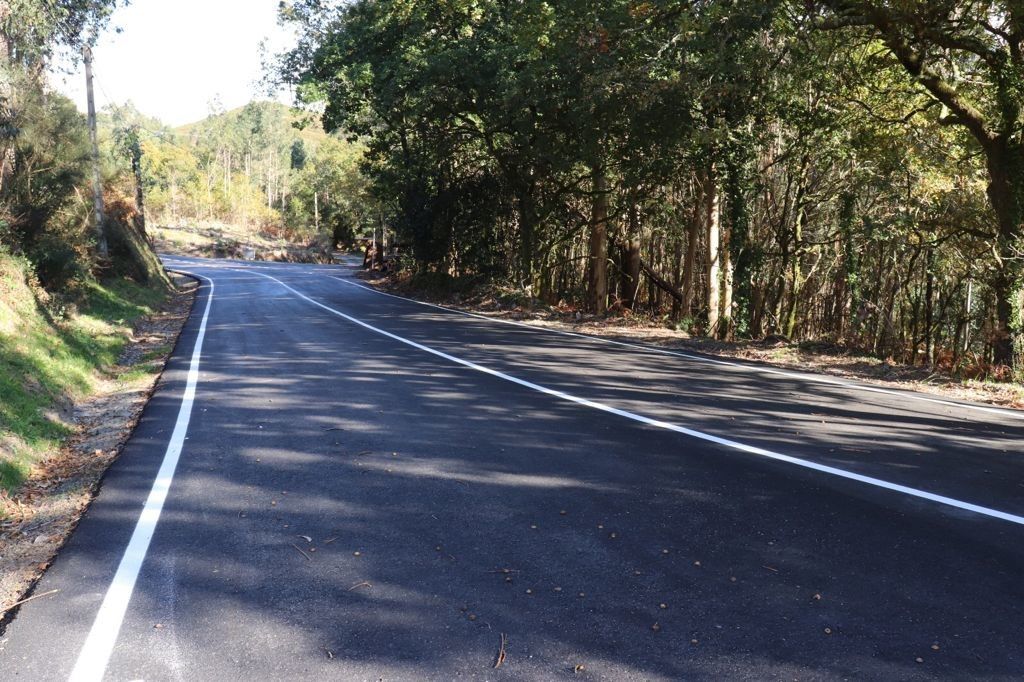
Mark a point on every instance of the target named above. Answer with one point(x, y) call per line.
point(225, 241)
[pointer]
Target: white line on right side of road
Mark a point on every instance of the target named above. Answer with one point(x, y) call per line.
point(735, 445)
point(817, 378)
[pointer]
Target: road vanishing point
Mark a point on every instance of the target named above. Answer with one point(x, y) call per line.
point(331, 482)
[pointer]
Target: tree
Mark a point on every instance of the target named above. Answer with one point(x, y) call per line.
point(967, 56)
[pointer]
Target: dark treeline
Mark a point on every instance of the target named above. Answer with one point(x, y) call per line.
point(837, 170)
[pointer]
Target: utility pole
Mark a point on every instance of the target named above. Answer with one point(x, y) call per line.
point(97, 183)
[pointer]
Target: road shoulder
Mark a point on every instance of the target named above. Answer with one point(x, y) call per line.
point(44, 511)
point(807, 358)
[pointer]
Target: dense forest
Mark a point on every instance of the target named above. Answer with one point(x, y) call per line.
point(839, 170)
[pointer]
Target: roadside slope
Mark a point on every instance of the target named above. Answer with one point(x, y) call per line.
point(72, 379)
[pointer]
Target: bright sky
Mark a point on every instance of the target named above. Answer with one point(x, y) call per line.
point(175, 56)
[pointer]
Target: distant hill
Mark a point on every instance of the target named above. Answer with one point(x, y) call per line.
point(306, 127)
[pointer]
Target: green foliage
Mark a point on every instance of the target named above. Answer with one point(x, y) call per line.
point(864, 156)
point(256, 167)
point(46, 220)
point(47, 359)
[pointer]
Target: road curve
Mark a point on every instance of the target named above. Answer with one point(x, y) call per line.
point(364, 487)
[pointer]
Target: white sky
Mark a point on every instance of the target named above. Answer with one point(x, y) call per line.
point(175, 56)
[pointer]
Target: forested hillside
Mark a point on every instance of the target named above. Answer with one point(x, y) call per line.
point(259, 167)
point(846, 170)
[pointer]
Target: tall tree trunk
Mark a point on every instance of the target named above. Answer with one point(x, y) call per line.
point(725, 327)
point(929, 294)
point(140, 207)
point(677, 274)
point(597, 289)
point(743, 259)
point(527, 221)
point(712, 226)
point(693, 231)
point(97, 183)
point(1006, 192)
point(631, 257)
point(797, 272)
point(849, 294)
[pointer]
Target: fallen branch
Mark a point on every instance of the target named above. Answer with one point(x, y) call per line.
point(23, 601)
point(661, 282)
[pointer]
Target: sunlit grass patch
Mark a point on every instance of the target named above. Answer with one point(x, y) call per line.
point(47, 362)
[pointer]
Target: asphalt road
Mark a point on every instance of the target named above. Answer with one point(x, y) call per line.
point(370, 488)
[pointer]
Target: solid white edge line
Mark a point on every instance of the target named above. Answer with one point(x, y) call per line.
point(735, 445)
point(817, 378)
point(95, 654)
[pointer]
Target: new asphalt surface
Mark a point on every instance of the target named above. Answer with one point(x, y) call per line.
point(372, 488)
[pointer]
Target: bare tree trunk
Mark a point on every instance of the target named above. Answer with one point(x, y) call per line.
point(726, 324)
point(97, 182)
point(140, 207)
point(677, 275)
point(711, 218)
point(597, 290)
point(692, 238)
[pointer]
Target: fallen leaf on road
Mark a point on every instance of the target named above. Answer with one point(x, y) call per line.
point(501, 651)
point(578, 668)
point(358, 585)
point(305, 537)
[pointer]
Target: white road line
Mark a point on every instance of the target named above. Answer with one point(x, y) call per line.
point(817, 378)
point(95, 654)
point(735, 445)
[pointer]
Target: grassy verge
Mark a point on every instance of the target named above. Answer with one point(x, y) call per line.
point(47, 362)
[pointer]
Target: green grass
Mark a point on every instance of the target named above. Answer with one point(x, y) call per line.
point(45, 363)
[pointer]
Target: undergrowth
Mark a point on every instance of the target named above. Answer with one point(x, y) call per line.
point(51, 355)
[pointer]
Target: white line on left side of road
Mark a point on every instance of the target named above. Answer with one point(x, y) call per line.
point(726, 442)
point(92, 660)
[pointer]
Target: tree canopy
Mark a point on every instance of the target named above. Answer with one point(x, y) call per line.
point(837, 170)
